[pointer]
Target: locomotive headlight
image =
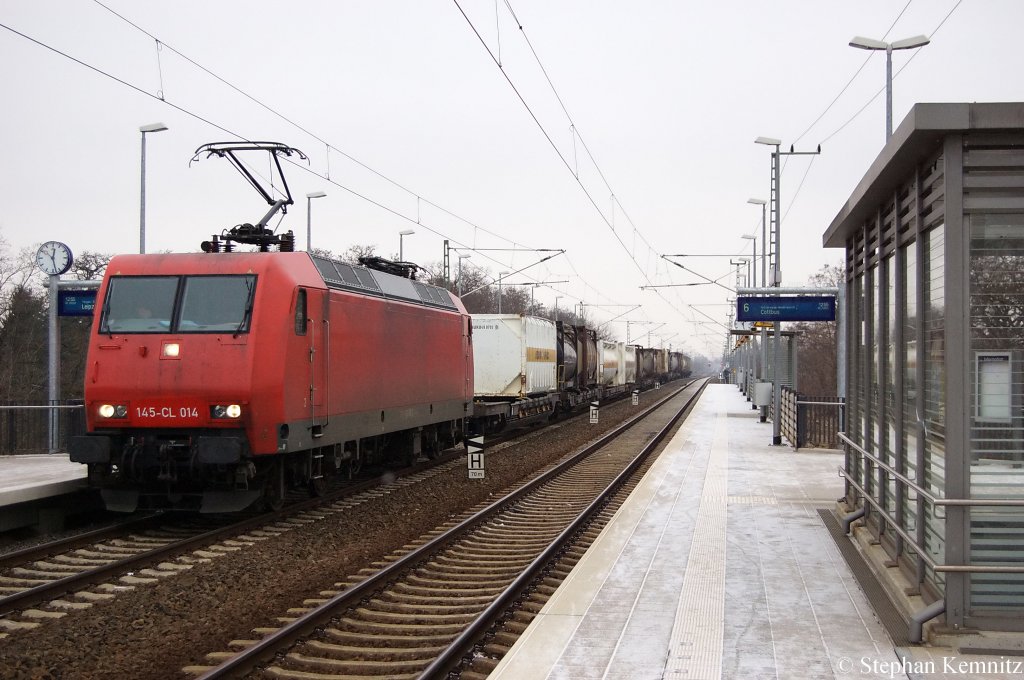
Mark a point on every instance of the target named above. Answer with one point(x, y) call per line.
point(171, 350)
point(112, 411)
point(221, 411)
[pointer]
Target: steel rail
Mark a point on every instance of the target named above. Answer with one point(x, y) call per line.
point(452, 656)
point(25, 598)
point(52, 589)
point(36, 552)
point(269, 646)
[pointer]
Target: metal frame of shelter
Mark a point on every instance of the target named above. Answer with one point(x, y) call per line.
point(934, 462)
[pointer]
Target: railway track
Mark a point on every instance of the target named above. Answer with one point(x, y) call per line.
point(426, 609)
point(52, 580)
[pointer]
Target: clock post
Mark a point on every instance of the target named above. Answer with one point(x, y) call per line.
point(53, 368)
point(54, 258)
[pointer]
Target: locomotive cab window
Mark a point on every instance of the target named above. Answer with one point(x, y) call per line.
point(205, 304)
point(219, 304)
point(139, 304)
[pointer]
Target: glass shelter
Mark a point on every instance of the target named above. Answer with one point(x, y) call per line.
point(934, 440)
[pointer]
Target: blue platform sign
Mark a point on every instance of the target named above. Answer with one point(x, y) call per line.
point(802, 308)
point(76, 302)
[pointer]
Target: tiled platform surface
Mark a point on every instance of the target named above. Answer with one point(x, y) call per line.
point(33, 477)
point(718, 566)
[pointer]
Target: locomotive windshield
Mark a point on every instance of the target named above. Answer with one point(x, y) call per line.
point(178, 304)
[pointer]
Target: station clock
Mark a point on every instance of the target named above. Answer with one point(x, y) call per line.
point(54, 258)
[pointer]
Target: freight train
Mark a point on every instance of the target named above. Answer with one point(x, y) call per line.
point(214, 380)
point(527, 368)
point(221, 378)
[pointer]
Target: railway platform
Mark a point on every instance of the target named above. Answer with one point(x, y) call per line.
point(721, 565)
point(33, 488)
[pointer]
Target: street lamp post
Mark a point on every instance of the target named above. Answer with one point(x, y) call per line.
point(751, 351)
point(764, 232)
point(753, 257)
point(461, 258)
point(309, 218)
point(762, 372)
point(905, 44)
point(557, 298)
point(500, 275)
point(152, 127)
point(401, 236)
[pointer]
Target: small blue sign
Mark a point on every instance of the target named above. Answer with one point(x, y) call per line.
point(803, 308)
point(76, 302)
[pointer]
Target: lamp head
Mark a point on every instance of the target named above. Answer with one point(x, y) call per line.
point(770, 141)
point(316, 194)
point(153, 127)
point(406, 232)
point(863, 43)
point(757, 201)
point(911, 43)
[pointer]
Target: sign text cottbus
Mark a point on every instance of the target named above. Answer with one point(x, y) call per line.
point(803, 308)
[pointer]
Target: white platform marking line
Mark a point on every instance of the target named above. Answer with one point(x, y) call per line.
point(654, 554)
point(696, 645)
point(767, 599)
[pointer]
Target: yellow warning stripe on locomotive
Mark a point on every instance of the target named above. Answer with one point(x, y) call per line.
point(541, 355)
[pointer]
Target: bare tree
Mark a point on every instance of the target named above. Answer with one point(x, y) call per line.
point(324, 252)
point(16, 272)
point(90, 266)
point(354, 252)
point(23, 347)
point(817, 346)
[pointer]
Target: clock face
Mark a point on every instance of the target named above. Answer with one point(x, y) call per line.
point(54, 258)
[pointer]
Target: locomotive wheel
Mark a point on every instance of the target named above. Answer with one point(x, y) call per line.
point(317, 487)
point(273, 489)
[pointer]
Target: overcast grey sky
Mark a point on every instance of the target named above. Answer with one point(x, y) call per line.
point(668, 97)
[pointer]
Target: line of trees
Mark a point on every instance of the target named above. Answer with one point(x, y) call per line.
point(479, 287)
point(24, 315)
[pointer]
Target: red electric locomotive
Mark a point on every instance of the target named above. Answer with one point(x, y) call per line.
point(218, 378)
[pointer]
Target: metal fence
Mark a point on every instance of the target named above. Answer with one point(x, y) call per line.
point(811, 421)
point(26, 428)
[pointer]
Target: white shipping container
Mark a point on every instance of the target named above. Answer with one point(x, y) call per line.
point(513, 355)
point(629, 362)
point(661, 361)
point(611, 363)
